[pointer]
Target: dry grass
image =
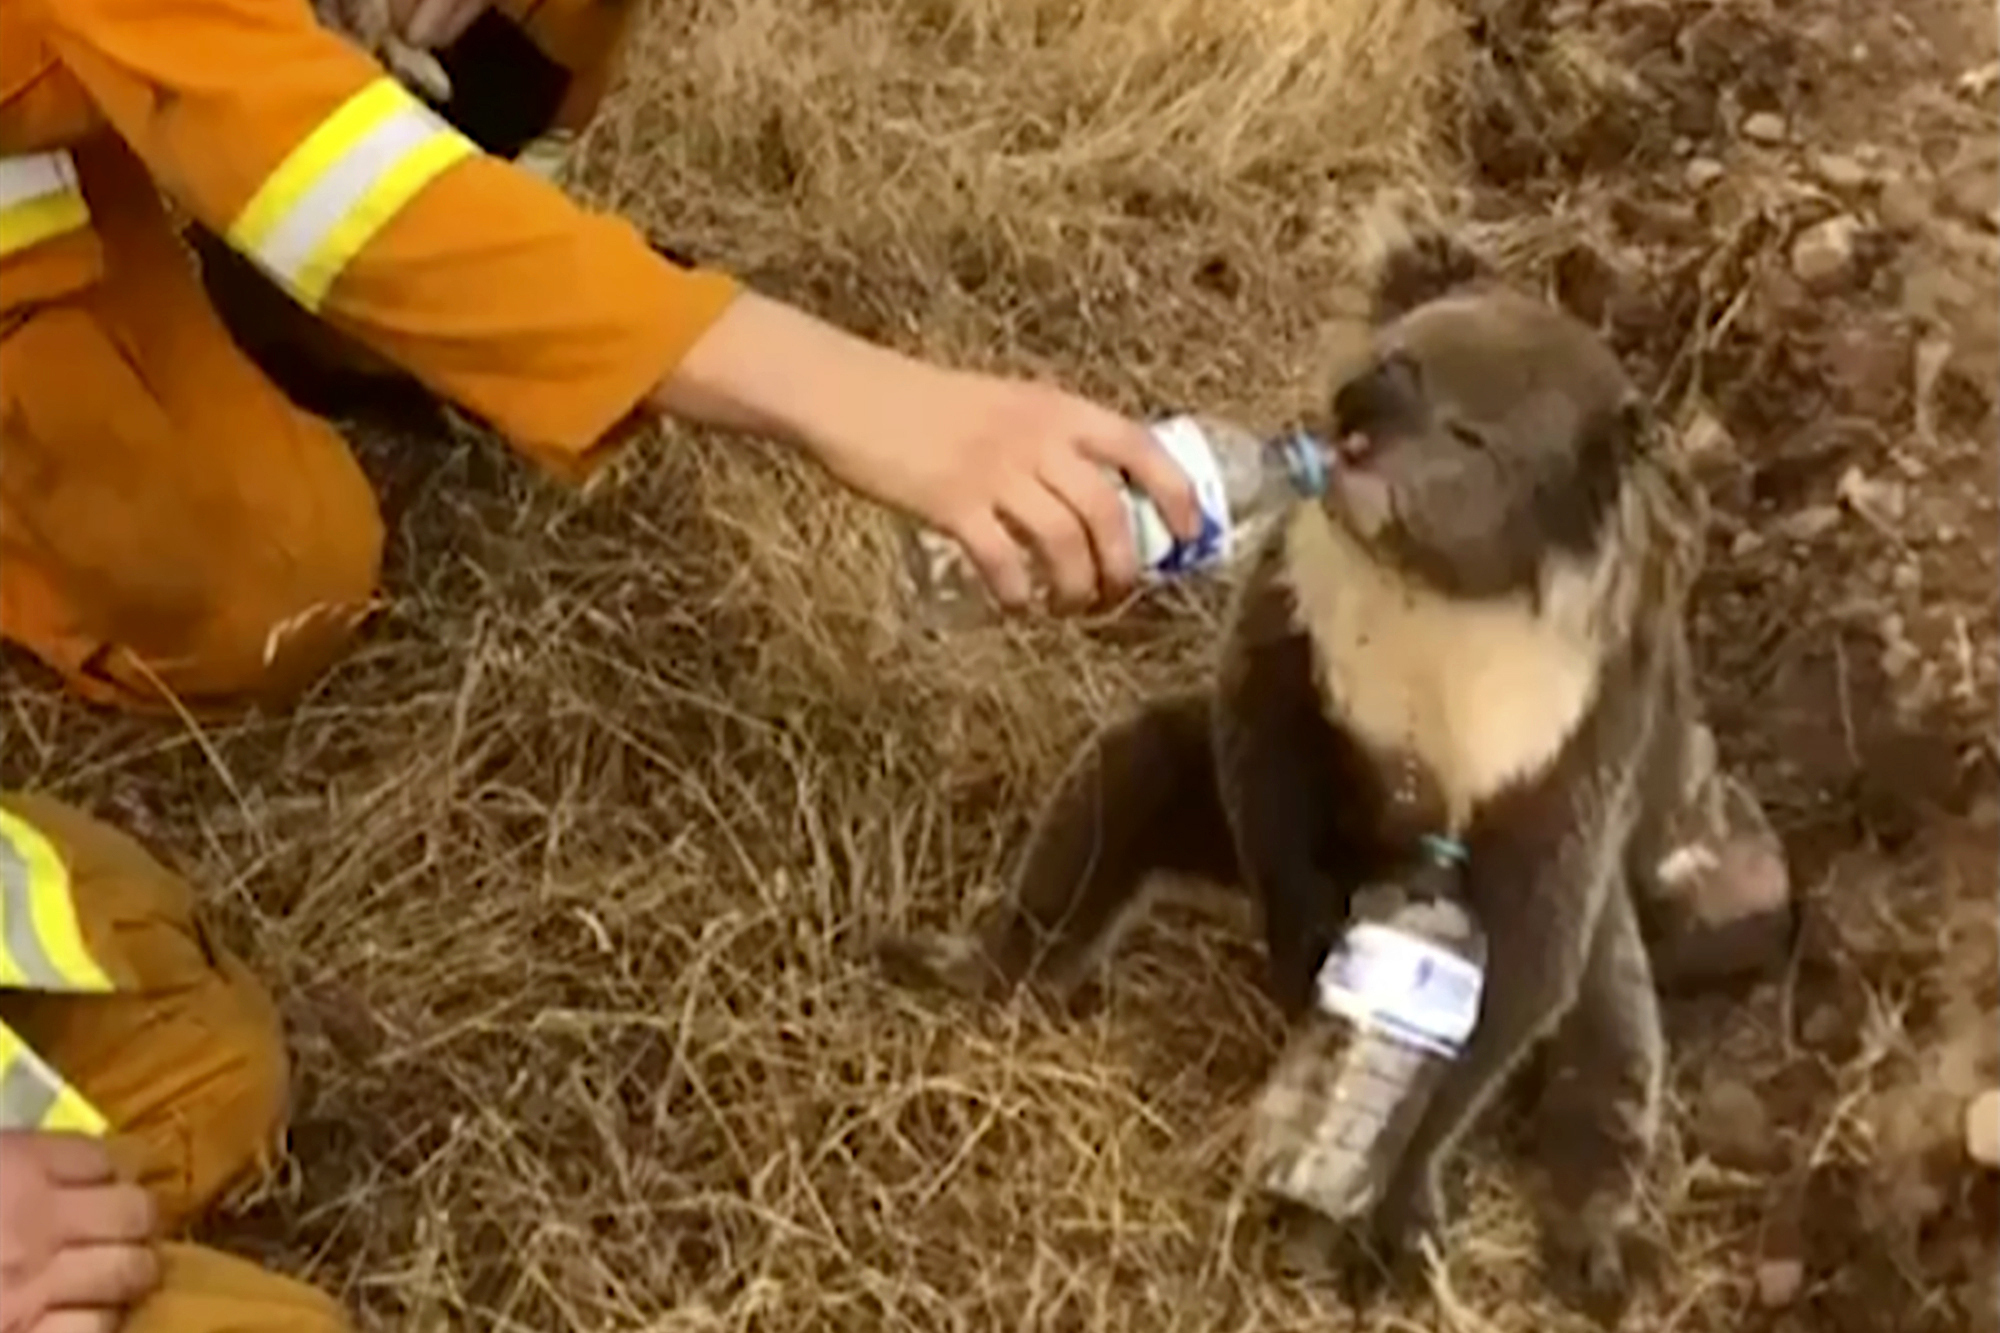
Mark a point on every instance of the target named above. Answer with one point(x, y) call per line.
point(560, 879)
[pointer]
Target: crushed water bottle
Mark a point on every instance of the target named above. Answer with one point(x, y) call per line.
point(1240, 481)
point(1398, 997)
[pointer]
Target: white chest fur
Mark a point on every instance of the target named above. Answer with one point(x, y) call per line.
point(1482, 693)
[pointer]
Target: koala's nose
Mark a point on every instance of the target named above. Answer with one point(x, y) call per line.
point(1384, 399)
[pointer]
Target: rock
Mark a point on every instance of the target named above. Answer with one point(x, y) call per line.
point(1823, 1026)
point(1706, 440)
point(1746, 544)
point(1765, 127)
point(1810, 523)
point(1823, 255)
point(1779, 1282)
point(1837, 171)
point(1982, 1128)
point(1703, 172)
point(1733, 1127)
point(1882, 503)
point(1905, 205)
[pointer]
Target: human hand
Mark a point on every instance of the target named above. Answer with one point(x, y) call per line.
point(430, 24)
point(75, 1248)
point(1005, 467)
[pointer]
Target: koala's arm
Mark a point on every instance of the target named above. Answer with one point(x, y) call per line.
point(1294, 808)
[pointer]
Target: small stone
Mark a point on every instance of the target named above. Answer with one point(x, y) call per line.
point(1909, 577)
point(1823, 1026)
point(1839, 172)
point(1810, 523)
point(1766, 127)
point(1746, 544)
point(1899, 658)
point(1904, 206)
point(1705, 439)
point(1779, 1282)
point(1881, 502)
point(1823, 255)
point(1733, 1126)
point(1703, 172)
point(1982, 1128)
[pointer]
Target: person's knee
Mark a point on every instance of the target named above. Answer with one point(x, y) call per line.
point(185, 1057)
point(285, 580)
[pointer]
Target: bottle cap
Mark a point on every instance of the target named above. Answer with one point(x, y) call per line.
point(1306, 459)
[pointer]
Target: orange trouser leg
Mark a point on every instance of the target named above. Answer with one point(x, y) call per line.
point(186, 1061)
point(206, 1291)
point(167, 518)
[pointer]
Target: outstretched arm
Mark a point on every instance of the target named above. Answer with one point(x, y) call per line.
point(560, 326)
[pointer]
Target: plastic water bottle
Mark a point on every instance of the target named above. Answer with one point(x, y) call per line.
point(1398, 997)
point(1240, 479)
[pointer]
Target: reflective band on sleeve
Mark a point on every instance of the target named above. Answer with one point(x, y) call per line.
point(41, 941)
point(35, 1097)
point(39, 198)
point(343, 183)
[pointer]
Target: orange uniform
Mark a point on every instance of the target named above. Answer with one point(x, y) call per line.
point(171, 523)
point(168, 520)
point(120, 1018)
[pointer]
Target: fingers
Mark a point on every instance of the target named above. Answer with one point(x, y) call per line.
point(1095, 497)
point(998, 557)
point(98, 1276)
point(1132, 450)
point(103, 1214)
point(435, 23)
point(79, 1321)
point(1059, 538)
point(73, 1159)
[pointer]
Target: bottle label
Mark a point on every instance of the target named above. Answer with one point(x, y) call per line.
point(1382, 978)
point(1159, 550)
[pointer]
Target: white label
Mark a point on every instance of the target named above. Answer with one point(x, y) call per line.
point(1159, 551)
point(1379, 977)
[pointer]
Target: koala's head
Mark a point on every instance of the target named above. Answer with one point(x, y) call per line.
point(1480, 436)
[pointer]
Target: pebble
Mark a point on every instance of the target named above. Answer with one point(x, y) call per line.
point(1766, 127)
point(1703, 172)
point(1733, 1126)
point(1823, 255)
point(1905, 205)
point(1839, 172)
point(1746, 544)
point(1883, 502)
point(1982, 1128)
point(1779, 1282)
point(1706, 439)
point(1810, 523)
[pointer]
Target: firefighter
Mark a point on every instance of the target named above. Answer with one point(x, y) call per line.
point(176, 531)
point(172, 525)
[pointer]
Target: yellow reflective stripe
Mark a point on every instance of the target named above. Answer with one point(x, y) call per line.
point(41, 941)
point(39, 198)
point(341, 185)
point(35, 1097)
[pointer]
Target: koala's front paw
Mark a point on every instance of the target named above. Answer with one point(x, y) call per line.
point(1596, 1269)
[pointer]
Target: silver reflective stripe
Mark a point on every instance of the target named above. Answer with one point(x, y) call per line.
point(297, 237)
point(34, 176)
point(27, 1093)
point(17, 924)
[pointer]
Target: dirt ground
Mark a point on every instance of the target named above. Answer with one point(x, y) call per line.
point(561, 879)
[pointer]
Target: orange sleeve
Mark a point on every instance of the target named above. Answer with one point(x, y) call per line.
point(489, 285)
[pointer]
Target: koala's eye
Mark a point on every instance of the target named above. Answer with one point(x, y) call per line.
point(1466, 435)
